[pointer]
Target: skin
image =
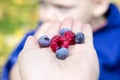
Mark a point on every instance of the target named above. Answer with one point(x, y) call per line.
point(53, 13)
point(37, 63)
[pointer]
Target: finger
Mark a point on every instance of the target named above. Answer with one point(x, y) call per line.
point(87, 31)
point(67, 23)
point(77, 26)
point(42, 30)
point(53, 30)
point(31, 43)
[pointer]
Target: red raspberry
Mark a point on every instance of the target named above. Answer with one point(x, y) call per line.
point(64, 41)
point(69, 35)
point(56, 38)
point(58, 42)
point(65, 44)
point(72, 42)
point(54, 42)
point(54, 46)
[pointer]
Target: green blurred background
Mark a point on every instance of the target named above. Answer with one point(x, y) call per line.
point(16, 18)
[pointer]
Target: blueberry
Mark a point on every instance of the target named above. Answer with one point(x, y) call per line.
point(62, 31)
point(62, 53)
point(79, 38)
point(44, 41)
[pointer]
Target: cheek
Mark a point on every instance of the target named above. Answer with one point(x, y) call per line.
point(77, 14)
point(82, 12)
point(86, 11)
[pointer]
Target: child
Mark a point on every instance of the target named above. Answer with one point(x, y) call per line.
point(105, 20)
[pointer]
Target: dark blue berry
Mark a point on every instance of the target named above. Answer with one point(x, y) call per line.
point(62, 53)
point(62, 31)
point(79, 38)
point(44, 41)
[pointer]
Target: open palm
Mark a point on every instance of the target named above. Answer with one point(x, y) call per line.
point(37, 63)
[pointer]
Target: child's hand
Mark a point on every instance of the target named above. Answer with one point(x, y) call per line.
point(37, 63)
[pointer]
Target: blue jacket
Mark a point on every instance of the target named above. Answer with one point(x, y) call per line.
point(106, 42)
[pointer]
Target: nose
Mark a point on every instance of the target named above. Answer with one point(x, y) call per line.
point(48, 14)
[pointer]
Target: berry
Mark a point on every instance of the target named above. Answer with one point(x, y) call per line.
point(54, 46)
point(58, 42)
point(65, 44)
point(69, 35)
point(62, 53)
point(44, 41)
point(62, 31)
point(79, 38)
point(55, 43)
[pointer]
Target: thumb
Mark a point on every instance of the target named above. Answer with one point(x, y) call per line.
point(31, 43)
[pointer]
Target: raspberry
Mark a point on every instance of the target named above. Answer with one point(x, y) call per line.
point(62, 31)
point(55, 42)
point(65, 44)
point(79, 38)
point(69, 35)
point(58, 42)
point(54, 46)
point(44, 41)
point(62, 53)
point(64, 41)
